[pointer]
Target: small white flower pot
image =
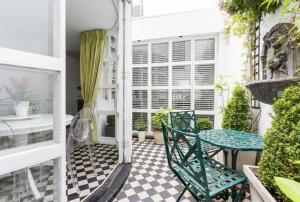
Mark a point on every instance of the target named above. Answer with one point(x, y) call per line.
point(22, 108)
point(257, 190)
point(142, 136)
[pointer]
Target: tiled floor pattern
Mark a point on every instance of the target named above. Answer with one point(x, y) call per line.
point(105, 159)
point(43, 177)
point(151, 179)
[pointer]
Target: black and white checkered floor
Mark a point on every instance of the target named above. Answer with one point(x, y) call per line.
point(105, 160)
point(150, 178)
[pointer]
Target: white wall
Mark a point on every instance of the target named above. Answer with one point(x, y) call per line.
point(72, 82)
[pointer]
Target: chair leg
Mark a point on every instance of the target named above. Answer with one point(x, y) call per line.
point(238, 197)
point(182, 193)
point(92, 159)
point(70, 149)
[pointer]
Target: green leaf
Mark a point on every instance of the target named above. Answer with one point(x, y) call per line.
point(289, 187)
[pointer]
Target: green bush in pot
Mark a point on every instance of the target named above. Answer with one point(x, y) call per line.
point(282, 141)
point(204, 124)
point(162, 114)
point(237, 114)
point(141, 127)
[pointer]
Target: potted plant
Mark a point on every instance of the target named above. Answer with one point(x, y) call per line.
point(161, 115)
point(19, 93)
point(141, 127)
point(281, 149)
point(110, 126)
point(204, 124)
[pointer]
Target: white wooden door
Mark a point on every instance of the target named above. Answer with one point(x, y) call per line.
point(32, 70)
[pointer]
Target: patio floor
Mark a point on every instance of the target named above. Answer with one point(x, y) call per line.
point(106, 158)
point(150, 178)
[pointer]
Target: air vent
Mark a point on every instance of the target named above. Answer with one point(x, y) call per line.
point(140, 76)
point(181, 75)
point(160, 76)
point(140, 99)
point(181, 99)
point(204, 49)
point(159, 99)
point(181, 51)
point(140, 54)
point(160, 52)
point(204, 99)
point(204, 74)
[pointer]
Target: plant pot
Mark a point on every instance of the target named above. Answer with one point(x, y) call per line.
point(158, 137)
point(22, 108)
point(142, 136)
point(257, 190)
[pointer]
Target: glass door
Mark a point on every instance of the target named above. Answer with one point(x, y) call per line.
point(32, 100)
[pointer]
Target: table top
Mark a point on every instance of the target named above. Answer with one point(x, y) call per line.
point(42, 122)
point(234, 140)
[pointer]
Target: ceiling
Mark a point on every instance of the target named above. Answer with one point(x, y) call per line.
point(83, 15)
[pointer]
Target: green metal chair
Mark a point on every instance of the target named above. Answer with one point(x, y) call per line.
point(185, 121)
point(204, 177)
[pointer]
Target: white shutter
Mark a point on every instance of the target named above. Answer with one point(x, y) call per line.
point(160, 76)
point(140, 54)
point(181, 99)
point(139, 116)
point(204, 74)
point(181, 75)
point(140, 76)
point(181, 51)
point(160, 52)
point(204, 99)
point(159, 99)
point(204, 49)
point(139, 99)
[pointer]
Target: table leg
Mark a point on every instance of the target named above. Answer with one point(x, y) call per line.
point(257, 157)
point(32, 185)
point(225, 153)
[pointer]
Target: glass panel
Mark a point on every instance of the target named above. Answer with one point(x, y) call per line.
point(28, 26)
point(36, 183)
point(181, 99)
point(107, 125)
point(28, 98)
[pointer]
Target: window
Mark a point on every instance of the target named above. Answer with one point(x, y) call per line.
point(160, 76)
point(179, 75)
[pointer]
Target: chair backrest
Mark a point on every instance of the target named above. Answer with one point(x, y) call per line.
point(185, 158)
point(81, 125)
point(184, 121)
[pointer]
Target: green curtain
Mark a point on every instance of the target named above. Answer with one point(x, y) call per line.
point(92, 45)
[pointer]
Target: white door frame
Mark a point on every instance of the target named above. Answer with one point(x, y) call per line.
point(25, 156)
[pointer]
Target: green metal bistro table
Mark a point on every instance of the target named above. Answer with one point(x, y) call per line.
point(235, 141)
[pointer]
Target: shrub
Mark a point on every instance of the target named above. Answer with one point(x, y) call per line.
point(162, 114)
point(282, 140)
point(204, 124)
point(140, 125)
point(237, 115)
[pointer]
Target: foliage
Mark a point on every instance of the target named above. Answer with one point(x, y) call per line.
point(282, 140)
point(237, 115)
point(110, 120)
point(161, 115)
point(221, 87)
point(140, 125)
point(204, 124)
point(18, 90)
point(290, 188)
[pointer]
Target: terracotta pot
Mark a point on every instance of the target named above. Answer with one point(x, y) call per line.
point(142, 136)
point(158, 137)
point(257, 190)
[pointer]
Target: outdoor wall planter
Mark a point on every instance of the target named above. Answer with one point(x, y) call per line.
point(279, 64)
point(267, 91)
point(257, 190)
